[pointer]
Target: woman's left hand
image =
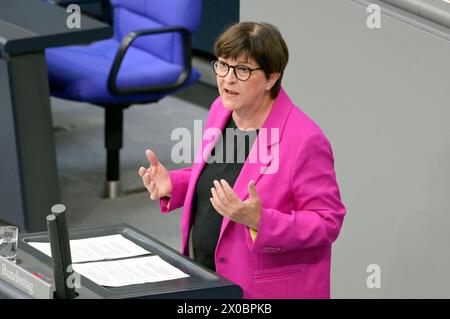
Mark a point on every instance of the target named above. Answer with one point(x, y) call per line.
point(228, 204)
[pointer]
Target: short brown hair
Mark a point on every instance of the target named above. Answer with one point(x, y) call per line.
point(260, 41)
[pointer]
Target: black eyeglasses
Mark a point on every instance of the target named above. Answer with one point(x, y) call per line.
point(242, 72)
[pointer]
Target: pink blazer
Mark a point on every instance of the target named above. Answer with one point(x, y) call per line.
point(302, 209)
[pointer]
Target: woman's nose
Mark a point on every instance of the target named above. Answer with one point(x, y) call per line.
point(230, 77)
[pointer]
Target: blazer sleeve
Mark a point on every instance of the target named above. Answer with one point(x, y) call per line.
point(180, 182)
point(319, 212)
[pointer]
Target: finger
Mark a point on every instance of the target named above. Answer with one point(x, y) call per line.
point(229, 191)
point(252, 190)
point(218, 202)
point(153, 190)
point(146, 179)
point(220, 192)
point(215, 196)
point(151, 187)
point(152, 171)
point(142, 171)
point(153, 160)
point(214, 204)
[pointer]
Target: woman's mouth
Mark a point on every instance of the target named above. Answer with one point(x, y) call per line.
point(230, 92)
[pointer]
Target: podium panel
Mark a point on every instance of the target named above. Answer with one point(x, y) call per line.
point(201, 283)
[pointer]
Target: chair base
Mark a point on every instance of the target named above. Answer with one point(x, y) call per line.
point(112, 189)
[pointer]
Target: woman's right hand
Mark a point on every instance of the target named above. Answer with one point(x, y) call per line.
point(155, 178)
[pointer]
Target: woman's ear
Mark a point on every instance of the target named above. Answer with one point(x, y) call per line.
point(273, 78)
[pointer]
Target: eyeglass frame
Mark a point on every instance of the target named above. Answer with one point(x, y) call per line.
point(234, 69)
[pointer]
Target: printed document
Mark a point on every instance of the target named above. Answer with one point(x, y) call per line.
point(132, 271)
point(97, 248)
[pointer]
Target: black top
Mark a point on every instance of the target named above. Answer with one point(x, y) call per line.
point(207, 221)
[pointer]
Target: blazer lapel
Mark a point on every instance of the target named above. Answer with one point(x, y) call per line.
point(209, 139)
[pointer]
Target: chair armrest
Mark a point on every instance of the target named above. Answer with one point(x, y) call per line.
point(125, 45)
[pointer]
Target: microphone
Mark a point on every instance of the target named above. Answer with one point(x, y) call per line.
point(61, 256)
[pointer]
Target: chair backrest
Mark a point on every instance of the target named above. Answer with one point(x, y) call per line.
point(135, 15)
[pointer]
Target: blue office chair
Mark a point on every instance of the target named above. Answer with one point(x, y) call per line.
point(148, 58)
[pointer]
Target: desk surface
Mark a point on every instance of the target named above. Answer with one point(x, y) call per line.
point(33, 25)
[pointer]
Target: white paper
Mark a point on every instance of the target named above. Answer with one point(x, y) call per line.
point(97, 248)
point(129, 271)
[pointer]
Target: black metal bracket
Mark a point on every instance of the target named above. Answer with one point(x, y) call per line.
point(125, 45)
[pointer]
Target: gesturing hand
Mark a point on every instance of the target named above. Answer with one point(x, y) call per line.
point(155, 178)
point(228, 204)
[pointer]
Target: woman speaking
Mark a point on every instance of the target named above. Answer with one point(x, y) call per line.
point(261, 206)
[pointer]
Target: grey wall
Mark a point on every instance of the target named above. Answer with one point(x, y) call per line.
point(382, 96)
